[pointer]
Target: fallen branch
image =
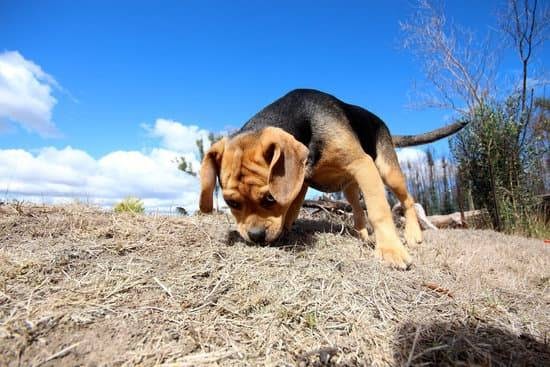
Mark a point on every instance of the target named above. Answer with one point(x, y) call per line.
point(453, 220)
point(424, 221)
point(328, 205)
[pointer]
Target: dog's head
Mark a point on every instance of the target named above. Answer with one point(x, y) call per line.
point(261, 173)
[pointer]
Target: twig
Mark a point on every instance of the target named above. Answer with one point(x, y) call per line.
point(327, 205)
point(343, 228)
point(164, 288)
point(203, 358)
point(434, 287)
point(415, 340)
point(62, 353)
point(157, 309)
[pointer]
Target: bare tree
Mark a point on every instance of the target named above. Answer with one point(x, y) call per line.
point(432, 195)
point(498, 148)
point(460, 69)
point(446, 204)
point(526, 26)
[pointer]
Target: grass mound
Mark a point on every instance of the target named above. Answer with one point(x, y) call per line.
point(79, 286)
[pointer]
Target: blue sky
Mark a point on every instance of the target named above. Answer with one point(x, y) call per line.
point(120, 65)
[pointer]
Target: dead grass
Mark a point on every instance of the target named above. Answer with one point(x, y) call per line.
point(83, 287)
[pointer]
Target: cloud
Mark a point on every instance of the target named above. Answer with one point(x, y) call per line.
point(536, 82)
point(176, 136)
point(53, 175)
point(60, 175)
point(411, 155)
point(26, 94)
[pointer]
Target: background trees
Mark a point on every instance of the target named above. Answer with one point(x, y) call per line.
point(187, 167)
point(501, 157)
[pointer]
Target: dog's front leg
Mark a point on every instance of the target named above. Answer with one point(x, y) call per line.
point(294, 209)
point(388, 245)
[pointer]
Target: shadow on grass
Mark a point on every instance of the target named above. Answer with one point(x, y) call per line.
point(301, 237)
point(446, 344)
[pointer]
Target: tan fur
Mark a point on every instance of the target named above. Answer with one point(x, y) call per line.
point(251, 167)
point(393, 177)
point(388, 245)
point(337, 154)
point(353, 196)
point(294, 208)
point(208, 174)
point(253, 164)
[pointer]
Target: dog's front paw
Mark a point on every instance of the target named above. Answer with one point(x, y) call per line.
point(413, 234)
point(395, 255)
point(366, 237)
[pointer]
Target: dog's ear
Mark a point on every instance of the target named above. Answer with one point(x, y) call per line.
point(210, 169)
point(287, 157)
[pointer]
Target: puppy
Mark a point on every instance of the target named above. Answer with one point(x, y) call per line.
point(305, 139)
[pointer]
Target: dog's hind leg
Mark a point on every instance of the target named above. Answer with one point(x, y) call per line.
point(353, 196)
point(388, 245)
point(393, 177)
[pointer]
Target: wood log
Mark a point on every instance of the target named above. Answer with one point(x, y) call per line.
point(328, 205)
point(423, 220)
point(453, 220)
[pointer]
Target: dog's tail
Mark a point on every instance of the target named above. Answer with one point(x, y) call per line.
point(400, 141)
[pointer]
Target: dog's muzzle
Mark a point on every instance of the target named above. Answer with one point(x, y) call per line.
point(257, 234)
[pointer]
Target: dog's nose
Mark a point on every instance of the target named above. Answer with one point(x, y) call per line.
point(257, 234)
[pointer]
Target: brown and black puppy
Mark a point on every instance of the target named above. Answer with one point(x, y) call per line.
point(311, 139)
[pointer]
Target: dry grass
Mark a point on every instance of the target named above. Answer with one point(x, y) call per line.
point(83, 287)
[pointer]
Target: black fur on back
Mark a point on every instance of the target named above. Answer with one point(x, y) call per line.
point(307, 115)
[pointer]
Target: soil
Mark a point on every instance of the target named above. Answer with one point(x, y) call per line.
point(82, 286)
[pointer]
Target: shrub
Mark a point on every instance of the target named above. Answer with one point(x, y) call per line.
point(130, 205)
point(499, 157)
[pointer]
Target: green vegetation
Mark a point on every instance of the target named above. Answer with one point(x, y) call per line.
point(501, 158)
point(130, 205)
point(185, 166)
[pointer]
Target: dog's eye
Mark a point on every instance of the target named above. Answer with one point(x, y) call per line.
point(233, 204)
point(268, 200)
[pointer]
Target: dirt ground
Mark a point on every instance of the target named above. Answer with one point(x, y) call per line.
point(79, 286)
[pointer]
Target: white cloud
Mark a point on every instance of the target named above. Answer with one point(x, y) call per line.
point(26, 94)
point(177, 137)
point(59, 175)
point(411, 155)
point(536, 82)
point(54, 175)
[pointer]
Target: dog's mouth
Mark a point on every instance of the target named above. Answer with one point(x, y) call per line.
point(256, 243)
point(265, 240)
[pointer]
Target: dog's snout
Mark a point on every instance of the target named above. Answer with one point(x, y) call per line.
point(257, 234)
